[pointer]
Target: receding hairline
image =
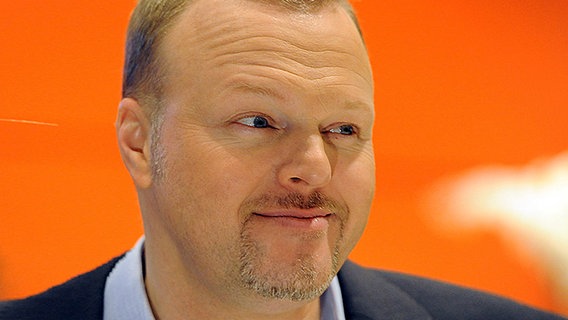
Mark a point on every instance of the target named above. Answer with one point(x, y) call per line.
point(300, 5)
point(292, 5)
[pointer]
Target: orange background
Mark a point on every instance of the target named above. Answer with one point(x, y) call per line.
point(459, 83)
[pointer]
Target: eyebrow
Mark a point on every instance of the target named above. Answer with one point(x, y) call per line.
point(258, 90)
point(357, 105)
point(363, 108)
point(351, 104)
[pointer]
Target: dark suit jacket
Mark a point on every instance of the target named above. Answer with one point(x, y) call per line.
point(367, 294)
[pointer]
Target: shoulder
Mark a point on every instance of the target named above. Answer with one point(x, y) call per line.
point(78, 298)
point(382, 291)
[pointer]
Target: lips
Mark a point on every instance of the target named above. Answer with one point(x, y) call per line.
point(298, 214)
point(300, 220)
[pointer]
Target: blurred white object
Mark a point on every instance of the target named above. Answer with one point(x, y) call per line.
point(528, 204)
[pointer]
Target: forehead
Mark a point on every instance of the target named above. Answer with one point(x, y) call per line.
point(208, 24)
point(216, 35)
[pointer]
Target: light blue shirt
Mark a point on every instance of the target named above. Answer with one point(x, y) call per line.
point(125, 294)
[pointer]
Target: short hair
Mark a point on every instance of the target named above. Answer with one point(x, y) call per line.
point(149, 22)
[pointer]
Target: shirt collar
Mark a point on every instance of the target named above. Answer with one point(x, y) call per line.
point(125, 294)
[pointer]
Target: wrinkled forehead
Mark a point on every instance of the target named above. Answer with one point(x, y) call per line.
point(211, 27)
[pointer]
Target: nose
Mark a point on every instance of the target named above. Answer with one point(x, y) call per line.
point(307, 164)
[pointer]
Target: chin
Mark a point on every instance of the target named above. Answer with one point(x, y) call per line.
point(301, 277)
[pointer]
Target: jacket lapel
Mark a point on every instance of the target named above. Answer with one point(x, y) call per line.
point(367, 295)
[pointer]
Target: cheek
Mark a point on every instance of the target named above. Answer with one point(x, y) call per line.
point(210, 179)
point(355, 179)
point(356, 184)
point(203, 196)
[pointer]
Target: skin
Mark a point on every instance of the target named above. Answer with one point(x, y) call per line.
point(266, 158)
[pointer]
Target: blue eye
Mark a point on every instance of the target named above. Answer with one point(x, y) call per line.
point(255, 122)
point(345, 129)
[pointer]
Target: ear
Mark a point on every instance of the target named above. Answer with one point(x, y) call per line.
point(133, 134)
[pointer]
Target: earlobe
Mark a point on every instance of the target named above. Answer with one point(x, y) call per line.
point(133, 134)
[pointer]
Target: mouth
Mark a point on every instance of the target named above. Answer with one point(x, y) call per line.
point(297, 214)
point(311, 219)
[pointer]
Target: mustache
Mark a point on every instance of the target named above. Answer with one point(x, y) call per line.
point(296, 200)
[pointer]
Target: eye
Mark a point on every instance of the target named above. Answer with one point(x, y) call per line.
point(255, 122)
point(345, 129)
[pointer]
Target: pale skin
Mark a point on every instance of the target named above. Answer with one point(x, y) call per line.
point(260, 103)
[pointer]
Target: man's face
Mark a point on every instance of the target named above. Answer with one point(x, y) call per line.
point(265, 148)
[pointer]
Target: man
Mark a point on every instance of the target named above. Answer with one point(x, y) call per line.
point(246, 126)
